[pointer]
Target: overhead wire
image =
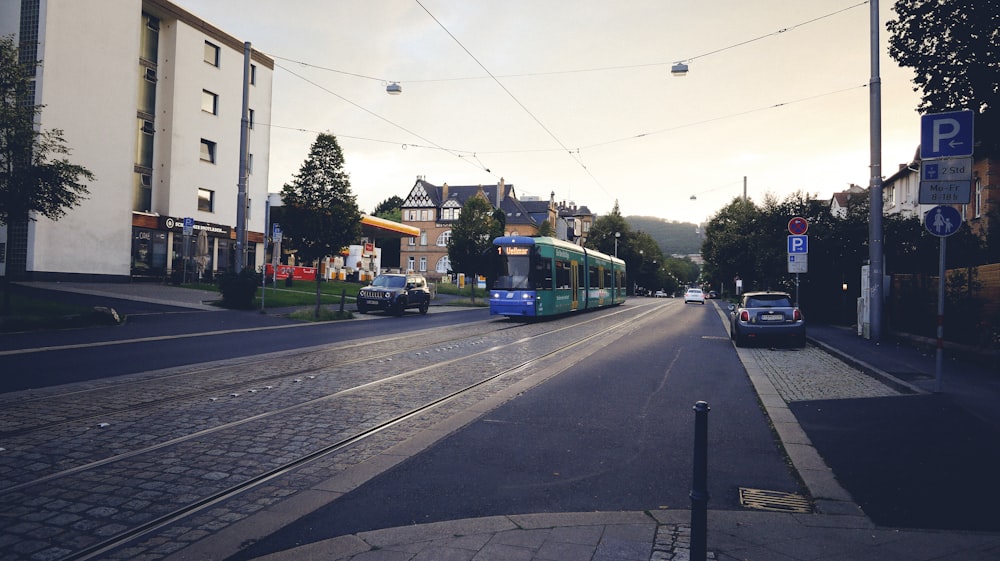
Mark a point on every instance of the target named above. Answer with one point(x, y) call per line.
point(516, 100)
point(573, 153)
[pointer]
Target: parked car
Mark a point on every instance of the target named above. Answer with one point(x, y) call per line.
point(713, 294)
point(395, 293)
point(660, 294)
point(694, 295)
point(769, 316)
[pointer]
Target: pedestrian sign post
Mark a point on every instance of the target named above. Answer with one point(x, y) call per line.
point(941, 221)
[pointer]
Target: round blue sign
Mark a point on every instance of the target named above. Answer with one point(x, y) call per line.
point(942, 221)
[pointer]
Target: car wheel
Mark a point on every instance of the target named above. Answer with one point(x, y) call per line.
point(362, 310)
point(400, 307)
point(741, 341)
point(424, 307)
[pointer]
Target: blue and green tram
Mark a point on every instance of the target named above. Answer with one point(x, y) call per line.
point(541, 276)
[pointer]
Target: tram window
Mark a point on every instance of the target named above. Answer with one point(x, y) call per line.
point(563, 272)
point(592, 282)
point(541, 276)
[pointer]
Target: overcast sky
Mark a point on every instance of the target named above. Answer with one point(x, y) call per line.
point(582, 101)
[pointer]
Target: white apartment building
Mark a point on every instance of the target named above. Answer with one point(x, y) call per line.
point(149, 98)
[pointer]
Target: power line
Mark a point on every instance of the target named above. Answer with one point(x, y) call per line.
point(516, 100)
point(578, 70)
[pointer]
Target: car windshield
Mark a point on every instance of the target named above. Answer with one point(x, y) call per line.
point(776, 301)
point(389, 282)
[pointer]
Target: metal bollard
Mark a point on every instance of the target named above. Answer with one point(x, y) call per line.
point(343, 296)
point(699, 487)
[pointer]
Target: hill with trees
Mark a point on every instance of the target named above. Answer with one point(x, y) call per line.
point(672, 237)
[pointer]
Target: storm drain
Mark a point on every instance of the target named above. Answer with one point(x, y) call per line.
point(775, 501)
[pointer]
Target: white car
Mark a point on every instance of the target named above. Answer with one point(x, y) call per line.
point(694, 295)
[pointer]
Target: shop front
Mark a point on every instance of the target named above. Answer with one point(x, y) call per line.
point(161, 248)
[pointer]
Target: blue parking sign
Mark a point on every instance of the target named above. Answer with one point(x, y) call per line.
point(946, 135)
point(798, 244)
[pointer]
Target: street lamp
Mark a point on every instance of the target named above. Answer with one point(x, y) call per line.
point(617, 235)
point(394, 89)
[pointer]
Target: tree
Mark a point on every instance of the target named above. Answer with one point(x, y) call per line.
point(321, 214)
point(36, 177)
point(471, 243)
point(390, 209)
point(952, 46)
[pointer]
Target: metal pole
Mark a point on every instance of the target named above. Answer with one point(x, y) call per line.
point(939, 356)
point(875, 232)
point(241, 196)
point(267, 233)
point(699, 487)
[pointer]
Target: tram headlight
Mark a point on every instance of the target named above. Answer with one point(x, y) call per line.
point(526, 296)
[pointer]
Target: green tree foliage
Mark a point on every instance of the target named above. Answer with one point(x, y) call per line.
point(36, 177)
point(471, 243)
point(750, 241)
point(321, 213)
point(644, 261)
point(390, 209)
point(953, 47)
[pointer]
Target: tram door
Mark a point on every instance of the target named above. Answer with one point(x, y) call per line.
point(574, 275)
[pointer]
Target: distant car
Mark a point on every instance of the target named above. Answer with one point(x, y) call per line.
point(660, 294)
point(394, 294)
point(766, 316)
point(713, 294)
point(694, 295)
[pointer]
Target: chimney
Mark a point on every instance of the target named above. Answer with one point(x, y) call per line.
point(444, 193)
point(500, 190)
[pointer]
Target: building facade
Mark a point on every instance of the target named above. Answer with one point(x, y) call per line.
point(149, 98)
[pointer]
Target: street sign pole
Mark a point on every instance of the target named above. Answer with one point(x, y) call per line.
point(941, 221)
point(939, 354)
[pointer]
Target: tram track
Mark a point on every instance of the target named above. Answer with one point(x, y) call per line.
point(40, 409)
point(350, 416)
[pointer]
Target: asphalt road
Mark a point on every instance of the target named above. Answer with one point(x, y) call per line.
point(156, 336)
point(613, 433)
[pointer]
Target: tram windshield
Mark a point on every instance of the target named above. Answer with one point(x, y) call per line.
point(520, 268)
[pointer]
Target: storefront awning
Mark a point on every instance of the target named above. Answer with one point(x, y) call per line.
point(380, 227)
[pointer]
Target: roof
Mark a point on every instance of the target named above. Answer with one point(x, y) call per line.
point(387, 228)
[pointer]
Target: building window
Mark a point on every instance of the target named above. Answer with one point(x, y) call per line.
point(423, 264)
point(409, 263)
point(444, 238)
point(249, 164)
point(206, 200)
point(423, 238)
point(211, 53)
point(253, 74)
point(413, 241)
point(251, 117)
point(209, 102)
point(207, 150)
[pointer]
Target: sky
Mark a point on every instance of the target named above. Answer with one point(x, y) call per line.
point(576, 97)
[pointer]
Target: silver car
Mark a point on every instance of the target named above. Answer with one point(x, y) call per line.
point(694, 295)
point(769, 316)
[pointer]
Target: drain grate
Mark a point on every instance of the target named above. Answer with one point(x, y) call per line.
point(775, 501)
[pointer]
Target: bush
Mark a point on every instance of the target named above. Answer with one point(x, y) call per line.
point(238, 290)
